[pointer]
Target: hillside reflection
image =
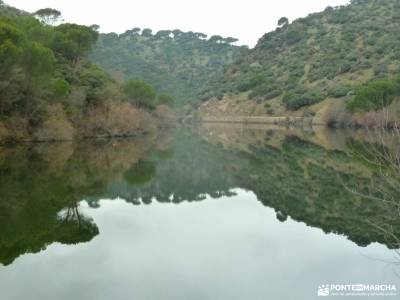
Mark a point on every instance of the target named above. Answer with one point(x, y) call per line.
point(298, 173)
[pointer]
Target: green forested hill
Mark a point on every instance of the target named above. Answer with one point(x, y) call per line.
point(176, 62)
point(325, 55)
point(49, 90)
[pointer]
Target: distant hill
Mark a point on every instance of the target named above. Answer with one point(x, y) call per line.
point(323, 56)
point(176, 62)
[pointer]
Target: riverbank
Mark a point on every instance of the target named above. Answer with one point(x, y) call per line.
point(328, 113)
point(115, 121)
point(296, 121)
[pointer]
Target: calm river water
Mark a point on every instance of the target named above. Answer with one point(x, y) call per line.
point(216, 212)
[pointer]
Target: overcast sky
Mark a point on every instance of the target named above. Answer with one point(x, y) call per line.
point(246, 20)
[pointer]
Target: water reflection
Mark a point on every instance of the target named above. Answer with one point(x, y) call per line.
point(230, 249)
point(298, 173)
point(41, 185)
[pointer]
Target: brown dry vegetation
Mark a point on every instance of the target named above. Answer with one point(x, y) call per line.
point(3, 133)
point(55, 127)
point(165, 116)
point(116, 120)
point(116, 156)
point(113, 119)
point(14, 129)
point(56, 155)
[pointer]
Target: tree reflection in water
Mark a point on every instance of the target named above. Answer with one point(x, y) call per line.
point(298, 173)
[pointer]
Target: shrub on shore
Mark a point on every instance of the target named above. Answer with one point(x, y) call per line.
point(55, 127)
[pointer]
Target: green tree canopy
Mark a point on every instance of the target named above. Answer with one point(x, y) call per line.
point(230, 40)
point(163, 34)
point(140, 93)
point(165, 99)
point(95, 27)
point(375, 95)
point(283, 21)
point(73, 41)
point(140, 173)
point(48, 16)
point(10, 44)
point(216, 39)
point(147, 32)
point(38, 60)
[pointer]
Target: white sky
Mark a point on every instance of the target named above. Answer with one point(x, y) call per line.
point(246, 20)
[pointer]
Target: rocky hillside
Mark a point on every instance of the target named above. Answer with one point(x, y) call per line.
point(175, 62)
point(314, 60)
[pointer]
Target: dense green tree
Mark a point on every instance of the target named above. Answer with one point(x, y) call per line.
point(165, 99)
point(74, 41)
point(94, 79)
point(230, 40)
point(38, 63)
point(283, 22)
point(140, 93)
point(177, 33)
point(147, 32)
point(95, 27)
point(140, 173)
point(201, 35)
point(38, 60)
point(61, 88)
point(48, 16)
point(375, 95)
point(11, 40)
point(163, 34)
point(216, 39)
point(11, 50)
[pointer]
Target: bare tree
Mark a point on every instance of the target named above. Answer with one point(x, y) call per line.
point(379, 148)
